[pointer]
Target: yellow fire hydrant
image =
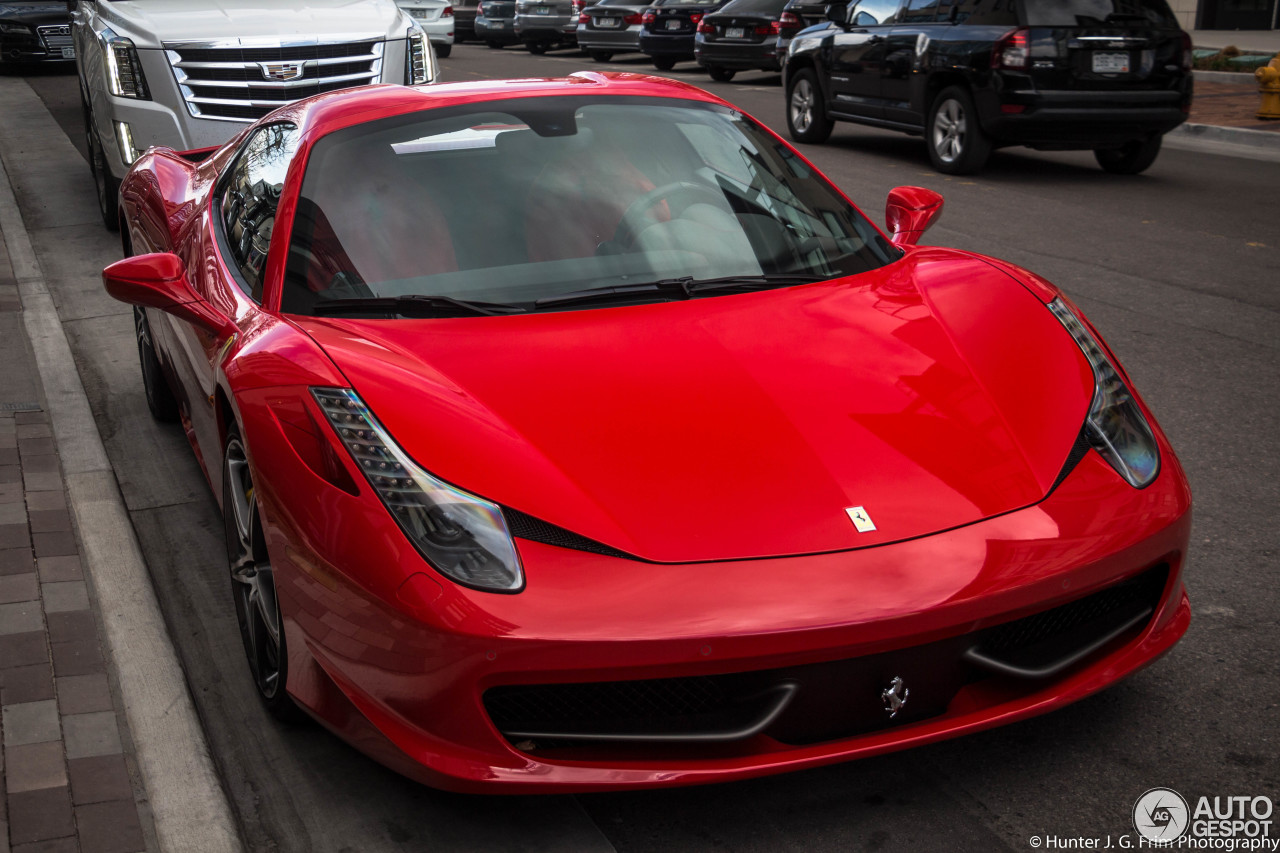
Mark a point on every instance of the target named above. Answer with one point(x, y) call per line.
point(1269, 82)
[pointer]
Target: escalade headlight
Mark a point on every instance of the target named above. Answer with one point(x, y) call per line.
point(124, 71)
point(463, 536)
point(419, 58)
point(1117, 428)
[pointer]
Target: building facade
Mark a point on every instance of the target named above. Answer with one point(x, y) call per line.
point(1227, 14)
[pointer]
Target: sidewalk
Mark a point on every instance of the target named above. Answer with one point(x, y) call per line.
point(70, 779)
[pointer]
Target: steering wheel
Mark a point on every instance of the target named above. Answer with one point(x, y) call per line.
point(632, 221)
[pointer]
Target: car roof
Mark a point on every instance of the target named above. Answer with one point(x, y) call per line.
point(322, 114)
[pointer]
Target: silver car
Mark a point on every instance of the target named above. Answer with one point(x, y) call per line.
point(544, 24)
point(609, 27)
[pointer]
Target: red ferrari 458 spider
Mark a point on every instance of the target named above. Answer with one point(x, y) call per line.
point(575, 434)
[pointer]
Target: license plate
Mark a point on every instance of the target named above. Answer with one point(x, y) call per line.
point(608, 23)
point(497, 25)
point(68, 53)
point(542, 10)
point(673, 23)
point(1110, 63)
point(418, 13)
point(733, 32)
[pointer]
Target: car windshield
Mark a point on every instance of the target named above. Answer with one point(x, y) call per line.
point(527, 200)
point(1085, 13)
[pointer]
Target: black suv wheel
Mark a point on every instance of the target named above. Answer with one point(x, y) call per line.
point(957, 144)
point(806, 115)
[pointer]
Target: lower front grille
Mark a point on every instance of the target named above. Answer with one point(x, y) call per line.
point(824, 701)
point(246, 83)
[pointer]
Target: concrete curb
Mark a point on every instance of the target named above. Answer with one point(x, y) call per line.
point(1265, 139)
point(188, 805)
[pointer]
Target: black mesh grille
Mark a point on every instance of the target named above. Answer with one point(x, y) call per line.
point(536, 530)
point(590, 705)
point(296, 93)
point(275, 54)
point(1142, 591)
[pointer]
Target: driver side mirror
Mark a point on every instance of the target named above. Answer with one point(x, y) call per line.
point(160, 281)
point(909, 212)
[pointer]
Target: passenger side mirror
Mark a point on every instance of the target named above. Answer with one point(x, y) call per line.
point(909, 212)
point(160, 281)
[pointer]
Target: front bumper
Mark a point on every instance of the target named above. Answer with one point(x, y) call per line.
point(22, 49)
point(401, 668)
point(1073, 120)
point(739, 55)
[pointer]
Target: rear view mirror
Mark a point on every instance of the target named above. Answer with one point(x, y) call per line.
point(160, 281)
point(909, 212)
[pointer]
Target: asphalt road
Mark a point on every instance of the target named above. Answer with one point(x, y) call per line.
point(1179, 268)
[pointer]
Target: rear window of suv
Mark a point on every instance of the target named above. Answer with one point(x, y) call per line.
point(1058, 13)
point(1097, 13)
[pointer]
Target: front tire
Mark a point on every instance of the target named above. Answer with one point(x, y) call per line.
point(105, 184)
point(664, 63)
point(721, 75)
point(957, 143)
point(253, 586)
point(1132, 158)
point(160, 399)
point(806, 114)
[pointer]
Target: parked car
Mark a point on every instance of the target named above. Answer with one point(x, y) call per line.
point(745, 35)
point(546, 24)
point(496, 22)
point(165, 74)
point(436, 19)
point(578, 434)
point(1113, 76)
point(609, 27)
point(34, 31)
point(667, 29)
point(810, 12)
point(464, 20)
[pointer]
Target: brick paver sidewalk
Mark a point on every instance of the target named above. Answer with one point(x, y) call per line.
point(1229, 104)
point(66, 777)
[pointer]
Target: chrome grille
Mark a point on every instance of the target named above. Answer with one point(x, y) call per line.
point(245, 83)
point(55, 37)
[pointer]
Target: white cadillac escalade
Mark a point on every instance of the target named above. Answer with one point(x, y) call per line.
point(189, 74)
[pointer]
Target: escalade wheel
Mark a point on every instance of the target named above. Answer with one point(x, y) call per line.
point(806, 116)
point(107, 187)
point(1132, 157)
point(957, 143)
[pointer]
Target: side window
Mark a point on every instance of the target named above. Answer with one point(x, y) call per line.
point(249, 197)
point(870, 13)
point(920, 12)
point(990, 13)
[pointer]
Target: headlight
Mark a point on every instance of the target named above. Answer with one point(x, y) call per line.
point(16, 29)
point(1117, 428)
point(124, 71)
point(419, 58)
point(461, 535)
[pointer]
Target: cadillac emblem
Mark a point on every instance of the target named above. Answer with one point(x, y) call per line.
point(895, 696)
point(281, 70)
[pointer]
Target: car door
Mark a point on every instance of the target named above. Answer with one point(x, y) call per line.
point(857, 56)
point(244, 207)
point(901, 87)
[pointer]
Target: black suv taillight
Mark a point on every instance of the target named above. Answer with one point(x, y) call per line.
point(1013, 50)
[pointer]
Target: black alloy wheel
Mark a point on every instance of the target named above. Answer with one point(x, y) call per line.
point(160, 399)
point(253, 583)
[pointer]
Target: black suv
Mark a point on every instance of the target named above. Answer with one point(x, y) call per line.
point(1113, 76)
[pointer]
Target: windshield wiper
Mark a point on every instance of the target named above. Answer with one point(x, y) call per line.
point(417, 305)
point(685, 287)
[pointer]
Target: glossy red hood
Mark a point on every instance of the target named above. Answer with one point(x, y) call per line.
point(933, 393)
